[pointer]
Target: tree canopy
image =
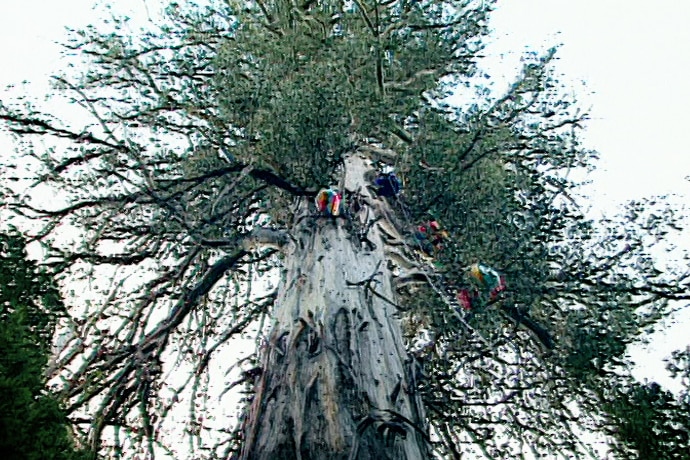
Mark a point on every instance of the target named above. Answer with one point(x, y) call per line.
point(221, 119)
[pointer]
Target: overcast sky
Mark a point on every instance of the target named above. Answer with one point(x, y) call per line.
point(633, 56)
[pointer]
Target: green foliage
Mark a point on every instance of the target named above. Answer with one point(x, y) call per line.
point(303, 85)
point(33, 425)
point(650, 422)
point(679, 367)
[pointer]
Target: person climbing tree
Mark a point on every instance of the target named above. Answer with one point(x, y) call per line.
point(487, 284)
point(429, 237)
point(387, 183)
point(328, 202)
point(489, 281)
point(468, 298)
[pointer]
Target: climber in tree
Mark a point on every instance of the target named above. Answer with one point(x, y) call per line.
point(468, 298)
point(387, 184)
point(429, 237)
point(329, 202)
point(487, 285)
point(490, 282)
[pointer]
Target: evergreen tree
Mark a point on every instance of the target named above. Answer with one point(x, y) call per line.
point(191, 194)
point(32, 423)
point(650, 422)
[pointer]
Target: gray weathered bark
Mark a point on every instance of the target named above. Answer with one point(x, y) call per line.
point(336, 383)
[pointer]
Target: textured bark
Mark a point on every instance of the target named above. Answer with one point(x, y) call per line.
point(336, 383)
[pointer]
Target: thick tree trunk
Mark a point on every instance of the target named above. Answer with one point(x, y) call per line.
point(336, 383)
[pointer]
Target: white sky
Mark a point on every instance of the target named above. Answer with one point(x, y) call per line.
point(634, 56)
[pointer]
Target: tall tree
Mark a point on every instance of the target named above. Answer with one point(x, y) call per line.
point(33, 425)
point(190, 202)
